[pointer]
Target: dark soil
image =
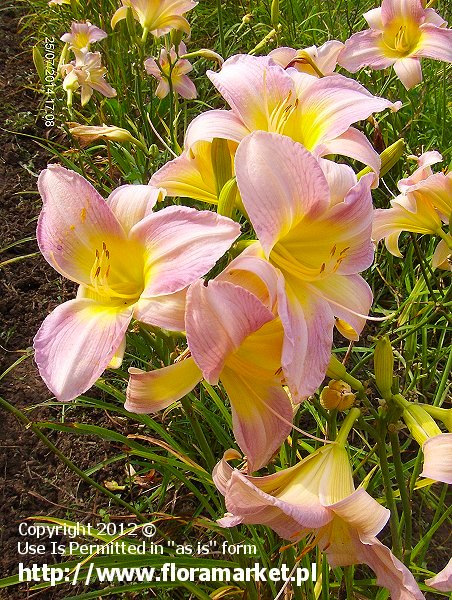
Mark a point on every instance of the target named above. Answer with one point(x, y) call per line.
point(32, 479)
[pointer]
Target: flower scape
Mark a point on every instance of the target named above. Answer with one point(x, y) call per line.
point(257, 242)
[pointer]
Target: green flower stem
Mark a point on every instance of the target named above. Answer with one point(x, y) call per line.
point(390, 501)
point(221, 29)
point(36, 430)
point(406, 508)
point(347, 425)
point(201, 438)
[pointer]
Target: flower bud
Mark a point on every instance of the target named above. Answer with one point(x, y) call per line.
point(384, 366)
point(89, 133)
point(221, 162)
point(227, 197)
point(337, 395)
point(421, 425)
point(440, 414)
point(336, 369)
point(389, 158)
point(274, 13)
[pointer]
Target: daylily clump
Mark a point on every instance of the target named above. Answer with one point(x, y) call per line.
point(401, 33)
point(128, 262)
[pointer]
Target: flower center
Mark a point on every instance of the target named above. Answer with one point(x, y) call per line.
point(401, 38)
point(106, 282)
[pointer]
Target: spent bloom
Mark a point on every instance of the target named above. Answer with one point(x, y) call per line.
point(316, 232)
point(317, 498)
point(169, 67)
point(90, 133)
point(315, 61)
point(87, 74)
point(423, 206)
point(82, 35)
point(157, 16)
point(233, 337)
point(128, 262)
point(401, 33)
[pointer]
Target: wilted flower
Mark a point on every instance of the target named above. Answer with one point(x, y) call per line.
point(233, 337)
point(401, 32)
point(425, 203)
point(171, 67)
point(89, 133)
point(317, 498)
point(128, 262)
point(337, 395)
point(82, 35)
point(88, 74)
point(315, 61)
point(156, 16)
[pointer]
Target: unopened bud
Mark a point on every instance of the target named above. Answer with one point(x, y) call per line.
point(336, 369)
point(274, 13)
point(227, 198)
point(221, 162)
point(247, 18)
point(205, 53)
point(421, 425)
point(89, 133)
point(389, 157)
point(384, 366)
point(337, 395)
point(440, 414)
point(39, 63)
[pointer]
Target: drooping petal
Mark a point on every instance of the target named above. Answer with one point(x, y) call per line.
point(76, 342)
point(218, 319)
point(253, 87)
point(331, 104)
point(390, 571)
point(276, 198)
point(181, 245)
point(424, 162)
point(167, 312)
point(436, 190)
point(443, 580)
point(349, 297)
point(308, 323)
point(364, 49)
point(438, 458)
point(131, 203)
point(432, 17)
point(223, 124)
point(353, 144)
point(361, 512)
point(261, 415)
point(151, 391)
point(409, 71)
point(73, 219)
point(184, 86)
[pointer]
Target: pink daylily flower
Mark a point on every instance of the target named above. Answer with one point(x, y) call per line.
point(312, 60)
point(438, 458)
point(317, 497)
point(157, 16)
point(318, 244)
point(401, 33)
point(128, 262)
point(317, 112)
point(425, 203)
point(88, 74)
point(82, 35)
point(443, 581)
point(171, 67)
point(233, 337)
